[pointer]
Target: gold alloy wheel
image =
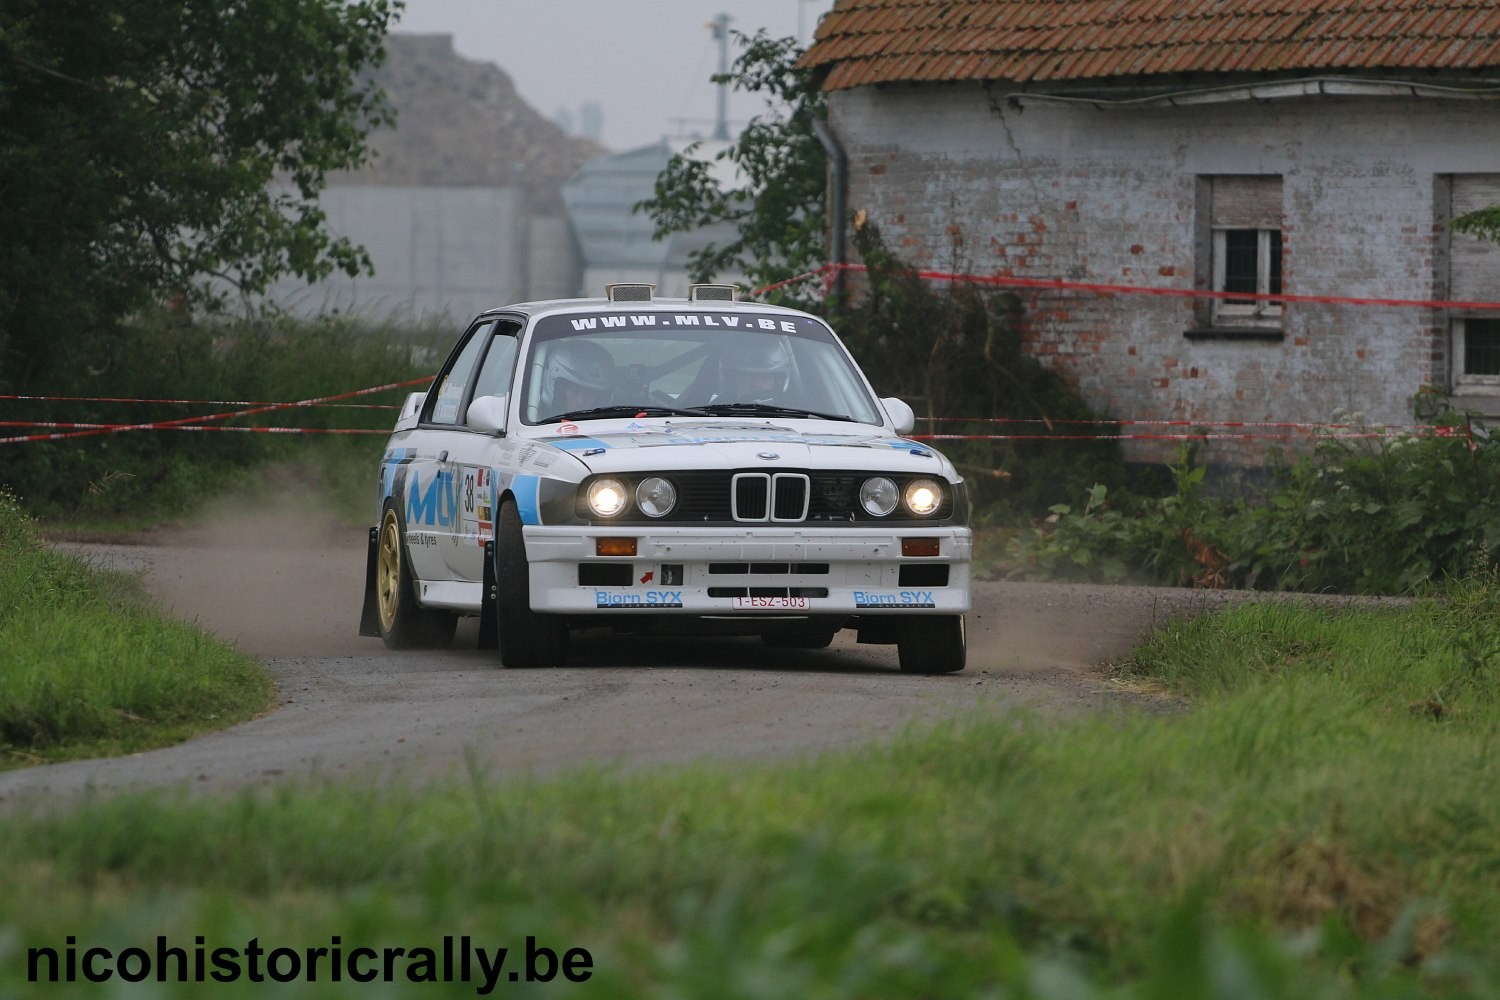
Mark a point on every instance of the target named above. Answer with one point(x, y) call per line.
point(388, 571)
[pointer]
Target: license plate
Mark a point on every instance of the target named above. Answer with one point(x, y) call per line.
point(772, 603)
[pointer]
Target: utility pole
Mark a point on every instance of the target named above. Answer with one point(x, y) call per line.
point(720, 26)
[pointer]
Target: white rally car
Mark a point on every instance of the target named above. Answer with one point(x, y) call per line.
point(699, 465)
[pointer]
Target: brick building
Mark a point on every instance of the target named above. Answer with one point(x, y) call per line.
point(1302, 147)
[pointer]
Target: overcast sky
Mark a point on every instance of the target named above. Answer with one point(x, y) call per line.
point(646, 62)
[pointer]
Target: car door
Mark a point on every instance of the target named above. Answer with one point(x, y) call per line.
point(431, 494)
point(475, 458)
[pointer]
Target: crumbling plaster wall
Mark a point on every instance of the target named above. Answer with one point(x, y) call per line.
point(960, 178)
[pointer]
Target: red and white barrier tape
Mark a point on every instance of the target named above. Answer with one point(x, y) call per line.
point(1108, 288)
point(1127, 422)
point(1205, 436)
point(192, 402)
point(198, 422)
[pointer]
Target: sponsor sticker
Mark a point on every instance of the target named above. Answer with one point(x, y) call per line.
point(645, 599)
point(894, 599)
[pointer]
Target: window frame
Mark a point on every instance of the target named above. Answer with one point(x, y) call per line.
point(1260, 312)
point(1464, 381)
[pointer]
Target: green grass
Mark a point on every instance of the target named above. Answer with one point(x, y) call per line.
point(1318, 823)
point(88, 667)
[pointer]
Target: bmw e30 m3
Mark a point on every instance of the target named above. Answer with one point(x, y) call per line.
point(701, 465)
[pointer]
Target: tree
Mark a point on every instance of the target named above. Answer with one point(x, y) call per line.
point(1482, 223)
point(149, 146)
point(778, 210)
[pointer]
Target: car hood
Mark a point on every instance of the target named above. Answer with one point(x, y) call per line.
point(794, 444)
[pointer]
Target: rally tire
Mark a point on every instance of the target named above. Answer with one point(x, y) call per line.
point(528, 640)
point(931, 644)
point(403, 623)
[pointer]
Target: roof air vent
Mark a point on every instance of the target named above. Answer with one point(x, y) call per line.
point(629, 292)
point(713, 293)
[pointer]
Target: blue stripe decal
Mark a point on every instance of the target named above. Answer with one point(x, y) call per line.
point(393, 458)
point(525, 489)
point(577, 444)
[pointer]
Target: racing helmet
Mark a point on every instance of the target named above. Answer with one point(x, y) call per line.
point(758, 366)
point(576, 364)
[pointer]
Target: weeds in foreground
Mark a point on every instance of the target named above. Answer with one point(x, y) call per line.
point(1392, 515)
point(1299, 832)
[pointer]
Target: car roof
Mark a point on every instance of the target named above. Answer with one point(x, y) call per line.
point(543, 307)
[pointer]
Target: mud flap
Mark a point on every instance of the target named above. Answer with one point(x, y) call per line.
point(878, 630)
point(369, 616)
point(489, 631)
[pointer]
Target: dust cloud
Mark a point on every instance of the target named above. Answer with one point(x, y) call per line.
point(275, 573)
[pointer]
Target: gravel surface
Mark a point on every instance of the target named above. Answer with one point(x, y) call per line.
point(284, 587)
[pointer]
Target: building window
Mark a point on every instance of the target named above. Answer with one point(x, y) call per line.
point(1482, 347)
point(1245, 221)
point(1473, 275)
point(1476, 354)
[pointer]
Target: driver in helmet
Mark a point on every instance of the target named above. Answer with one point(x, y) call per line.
point(754, 370)
point(578, 376)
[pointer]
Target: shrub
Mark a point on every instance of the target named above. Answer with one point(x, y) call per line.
point(1385, 514)
point(167, 356)
point(956, 351)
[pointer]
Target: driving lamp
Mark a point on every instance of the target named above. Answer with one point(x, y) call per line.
point(923, 497)
point(655, 497)
point(607, 497)
point(878, 496)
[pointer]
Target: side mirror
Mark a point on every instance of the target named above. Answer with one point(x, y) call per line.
point(901, 415)
point(410, 410)
point(487, 413)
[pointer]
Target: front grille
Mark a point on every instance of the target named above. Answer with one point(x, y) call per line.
point(754, 497)
point(789, 492)
point(762, 496)
point(751, 496)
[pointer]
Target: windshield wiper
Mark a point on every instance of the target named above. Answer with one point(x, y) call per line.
point(647, 410)
point(770, 410)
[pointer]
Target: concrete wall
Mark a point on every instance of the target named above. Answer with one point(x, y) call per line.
point(440, 254)
point(960, 179)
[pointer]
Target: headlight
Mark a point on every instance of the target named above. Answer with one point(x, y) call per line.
point(878, 496)
point(923, 497)
point(655, 497)
point(607, 497)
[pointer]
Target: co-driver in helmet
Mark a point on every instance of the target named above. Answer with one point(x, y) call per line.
point(578, 376)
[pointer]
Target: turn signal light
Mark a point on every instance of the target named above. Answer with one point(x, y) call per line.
point(614, 546)
point(920, 546)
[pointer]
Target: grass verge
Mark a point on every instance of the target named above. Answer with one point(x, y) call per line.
point(88, 668)
point(1320, 823)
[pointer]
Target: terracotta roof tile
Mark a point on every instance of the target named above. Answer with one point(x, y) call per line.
point(883, 41)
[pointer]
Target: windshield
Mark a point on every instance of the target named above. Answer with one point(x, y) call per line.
point(596, 365)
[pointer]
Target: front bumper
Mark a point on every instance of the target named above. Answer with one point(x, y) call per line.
point(742, 572)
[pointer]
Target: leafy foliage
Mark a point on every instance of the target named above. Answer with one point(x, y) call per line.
point(162, 355)
point(778, 207)
point(145, 149)
point(1388, 515)
point(1482, 223)
point(953, 351)
point(956, 351)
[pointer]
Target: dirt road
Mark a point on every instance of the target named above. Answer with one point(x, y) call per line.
point(286, 587)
